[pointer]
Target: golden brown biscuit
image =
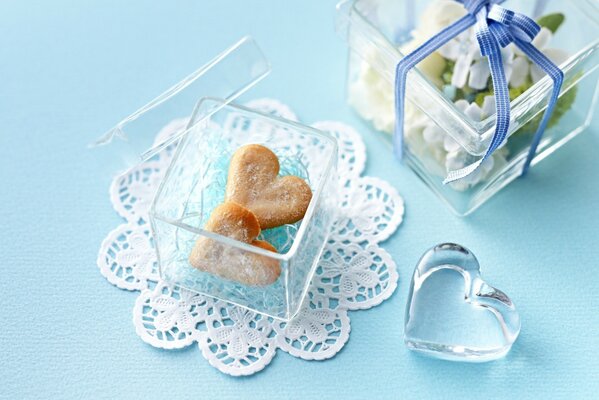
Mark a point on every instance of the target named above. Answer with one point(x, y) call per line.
point(236, 222)
point(253, 182)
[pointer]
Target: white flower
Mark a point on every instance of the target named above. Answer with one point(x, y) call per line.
point(428, 140)
point(435, 135)
point(541, 41)
point(516, 64)
point(372, 97)
point(480, 71)
point(435, 17)
point(462, 49)
point(458, 158)
point(470, 64)
point(438, 15)
point(472, 68)
point(519, 71)
point(432, 67)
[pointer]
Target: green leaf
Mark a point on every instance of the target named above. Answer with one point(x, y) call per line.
point(551, 21)
point(563, 105)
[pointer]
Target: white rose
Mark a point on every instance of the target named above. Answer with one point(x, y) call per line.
point(372, 97)
point(438, 15)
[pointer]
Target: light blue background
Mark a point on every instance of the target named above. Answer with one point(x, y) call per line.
point(71, 69)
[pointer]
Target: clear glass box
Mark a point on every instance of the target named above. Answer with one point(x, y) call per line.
point(195, 181)
point(195, 184)
point(377, 30)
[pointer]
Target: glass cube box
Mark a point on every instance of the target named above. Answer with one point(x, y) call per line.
point(442, 133)
point(195, 184)
point(195, 181)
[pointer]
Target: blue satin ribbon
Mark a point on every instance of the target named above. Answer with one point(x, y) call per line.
point(496, 27)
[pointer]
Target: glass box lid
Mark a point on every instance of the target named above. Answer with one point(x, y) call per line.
point(226, 76)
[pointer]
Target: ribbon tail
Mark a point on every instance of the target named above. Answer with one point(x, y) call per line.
point(558, 78)
point(409, 62)
point(502, 110)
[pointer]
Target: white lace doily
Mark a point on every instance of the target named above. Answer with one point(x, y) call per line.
point(354, 273)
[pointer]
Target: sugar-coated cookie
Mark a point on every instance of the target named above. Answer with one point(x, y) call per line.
point(254, 183)
point(238, 223)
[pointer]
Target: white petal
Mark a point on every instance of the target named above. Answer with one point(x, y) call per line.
point(507, 70)
point(432, 134)
point(461, 104)
point(479, 75)
point(473, 111)
point(449, 144)
point(518, 52)
point(520, 68)
point(432, 67)
point(542, 39)
point(455, 160)
point(507, 54)
point(438, 154)
point(476, 54)
point(461, 69)
point(488, 107)
point(451, 50)
point(449, 91)
point(466, 37)
point(460, 185)
point(445, 12)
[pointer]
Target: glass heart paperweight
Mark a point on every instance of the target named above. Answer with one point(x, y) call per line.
point(453, 314)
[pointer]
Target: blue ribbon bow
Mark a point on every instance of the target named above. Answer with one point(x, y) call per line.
point(496, 27)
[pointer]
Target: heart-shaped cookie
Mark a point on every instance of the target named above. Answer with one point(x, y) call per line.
point(453, 314)
point(238, 223)
point(253, 182)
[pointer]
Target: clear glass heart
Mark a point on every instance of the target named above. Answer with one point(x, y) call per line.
point(453, 314)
